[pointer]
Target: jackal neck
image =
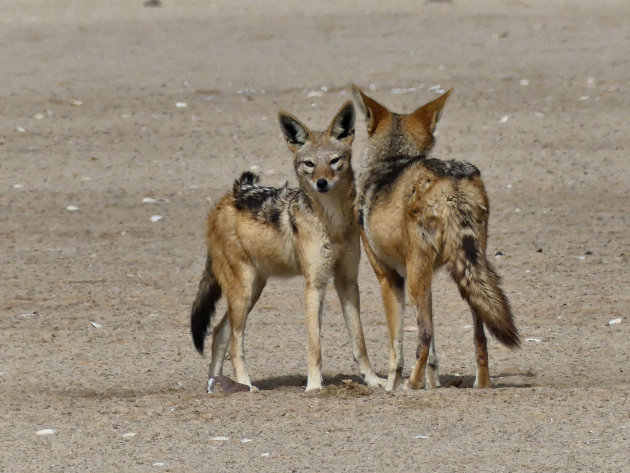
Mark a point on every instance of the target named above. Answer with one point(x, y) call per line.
point(394, 143)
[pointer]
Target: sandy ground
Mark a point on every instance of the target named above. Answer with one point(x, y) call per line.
point(89, 118)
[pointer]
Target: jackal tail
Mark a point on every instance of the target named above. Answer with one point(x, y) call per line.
point(203, 308)
point(479, 284)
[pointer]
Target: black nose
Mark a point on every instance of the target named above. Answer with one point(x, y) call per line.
point(322, 184)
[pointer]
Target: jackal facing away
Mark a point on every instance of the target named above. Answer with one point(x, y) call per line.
point(415, 215)
point(256, 232)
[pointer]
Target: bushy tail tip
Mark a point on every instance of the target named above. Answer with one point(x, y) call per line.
point(204, 306)
point(479, 284)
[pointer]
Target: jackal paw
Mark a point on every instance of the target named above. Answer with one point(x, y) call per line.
point(394, 381)
point(313, 388)
point(374, 381)
point(409, 386)
point(482, 385)
point(223, 384)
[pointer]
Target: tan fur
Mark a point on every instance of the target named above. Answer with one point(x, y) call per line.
point(419, 214)
point(256, 232)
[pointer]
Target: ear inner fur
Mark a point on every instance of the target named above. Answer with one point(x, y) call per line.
point(342, 125)
point(374, 112)
point(295, 132)
point(429, 114)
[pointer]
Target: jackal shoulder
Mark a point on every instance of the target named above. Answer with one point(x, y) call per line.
point(383, 175)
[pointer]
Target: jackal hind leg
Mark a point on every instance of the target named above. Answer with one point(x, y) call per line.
point(432, 377)
point(241, 297)
point(348, 292)
point(220, 342)
point(419, 274)
point(482, 378)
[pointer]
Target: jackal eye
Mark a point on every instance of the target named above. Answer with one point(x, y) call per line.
point(309, 164)
point(334, 161)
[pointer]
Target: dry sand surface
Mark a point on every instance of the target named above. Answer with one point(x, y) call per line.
point(94, 302)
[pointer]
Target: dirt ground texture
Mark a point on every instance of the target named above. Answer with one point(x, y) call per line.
point(104, 104)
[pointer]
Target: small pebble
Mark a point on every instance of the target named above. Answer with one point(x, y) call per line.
point(72, 208)
point(220, 438)
point(149, 200)
point(437, 89)
point(403, 91)
point(46, 432)
point(129, 435)
point(614, 321)
point(504, 119)
point(421, 437)
point(532, 339)
point(96, 325)
point(181, 104)
point(156, 218)
point(246, 440)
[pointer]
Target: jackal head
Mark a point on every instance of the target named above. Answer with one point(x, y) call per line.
point(391, 134)
point(321, 158)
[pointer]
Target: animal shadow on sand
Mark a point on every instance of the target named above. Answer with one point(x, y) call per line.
point(502, 380)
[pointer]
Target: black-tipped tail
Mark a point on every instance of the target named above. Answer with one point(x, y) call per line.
point(479, 284)
point(204, 306)
point(247, 179)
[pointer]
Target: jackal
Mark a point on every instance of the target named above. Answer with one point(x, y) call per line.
point(417, 214)
point(256, 232)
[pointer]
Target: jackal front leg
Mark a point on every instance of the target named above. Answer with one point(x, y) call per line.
point(393, 292)
point(348, 292)
point(314, 297)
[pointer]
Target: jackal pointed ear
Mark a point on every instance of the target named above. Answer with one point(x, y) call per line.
point(374, 112)
point(342, 126)
point(295, 132)
point(430, 113)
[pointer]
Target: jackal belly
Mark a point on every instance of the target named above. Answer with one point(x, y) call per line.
point(272, 251)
